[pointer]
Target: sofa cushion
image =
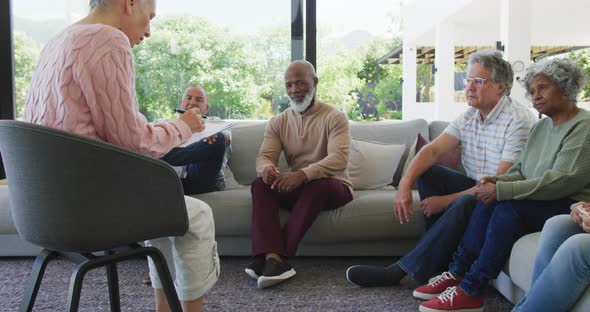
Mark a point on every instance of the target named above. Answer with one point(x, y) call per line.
point(520, 264)
point(391, 132)
point(246, 141)
point(372, 165)
point(368, 217)
point(247, 138)
point(436, 128)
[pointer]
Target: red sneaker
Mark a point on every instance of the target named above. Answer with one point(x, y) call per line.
point(453, 299)
point(436, 286)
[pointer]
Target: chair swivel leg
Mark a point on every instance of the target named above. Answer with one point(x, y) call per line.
point(39, 267)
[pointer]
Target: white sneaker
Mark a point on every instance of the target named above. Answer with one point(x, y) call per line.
point(274, 273)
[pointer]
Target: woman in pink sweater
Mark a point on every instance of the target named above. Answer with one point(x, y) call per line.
point(85, 83)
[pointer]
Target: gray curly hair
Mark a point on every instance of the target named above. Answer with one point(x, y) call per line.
point(492, 60)
point(564, 72)
point(100, 3)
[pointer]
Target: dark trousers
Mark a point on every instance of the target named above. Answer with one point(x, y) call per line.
point(305, 204)
point(444, 231)
point(203, 161)
point(491, 233)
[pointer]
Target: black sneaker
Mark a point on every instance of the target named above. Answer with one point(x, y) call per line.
point(255, 268)
point(274, 273)
point(375, 276)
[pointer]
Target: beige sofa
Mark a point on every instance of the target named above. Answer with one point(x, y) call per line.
point(364, 227)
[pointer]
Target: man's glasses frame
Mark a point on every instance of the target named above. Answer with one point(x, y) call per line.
point(477, 81)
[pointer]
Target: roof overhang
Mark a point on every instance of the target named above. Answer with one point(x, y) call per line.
point(425, 54)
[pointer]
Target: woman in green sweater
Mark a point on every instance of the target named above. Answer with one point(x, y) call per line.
point(551, 174)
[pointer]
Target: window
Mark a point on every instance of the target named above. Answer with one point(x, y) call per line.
point(238, 55)
point(238, 51)
point(351, 38)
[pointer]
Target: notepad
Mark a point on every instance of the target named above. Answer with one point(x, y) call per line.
point(211, 127)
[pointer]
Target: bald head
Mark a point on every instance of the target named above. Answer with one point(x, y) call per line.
point(300, 83)
point(302, 67)
point(100, 3)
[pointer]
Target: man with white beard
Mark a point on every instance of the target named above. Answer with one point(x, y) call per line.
point(315, 139)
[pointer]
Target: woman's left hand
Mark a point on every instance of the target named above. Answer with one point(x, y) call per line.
point(210, 139)
point(486, 193)
point(585, 223)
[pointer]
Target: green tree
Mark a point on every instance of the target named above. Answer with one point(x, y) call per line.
point(338, 79)
point(26, 53)
point(381, 98)
point(582, 58)
point(271, 53)
point(184, 51)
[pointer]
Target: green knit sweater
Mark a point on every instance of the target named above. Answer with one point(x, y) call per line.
point(555, 163)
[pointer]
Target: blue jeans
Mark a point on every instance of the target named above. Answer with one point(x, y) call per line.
point(562, 267)
point(444, 231)
point(492, 231)
point(203, 161)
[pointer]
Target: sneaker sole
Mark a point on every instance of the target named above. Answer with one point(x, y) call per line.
point(251, 273)
point(348, 278)
point(425, 309)
point(267, 281)
point(424, 296)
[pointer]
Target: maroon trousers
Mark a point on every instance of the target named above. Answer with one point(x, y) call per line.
point(305, 204)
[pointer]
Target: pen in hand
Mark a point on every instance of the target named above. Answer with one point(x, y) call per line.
point(182, 111)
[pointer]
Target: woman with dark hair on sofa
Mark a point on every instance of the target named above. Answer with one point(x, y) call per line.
point(551, 174)
point(562, 266)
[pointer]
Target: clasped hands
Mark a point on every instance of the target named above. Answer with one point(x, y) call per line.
point(485, 191)
point(283, 182)
point(581, 218)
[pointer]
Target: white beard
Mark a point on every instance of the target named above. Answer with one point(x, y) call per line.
point(301, 106)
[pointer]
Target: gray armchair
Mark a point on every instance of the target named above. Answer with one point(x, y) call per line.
point(75, 196)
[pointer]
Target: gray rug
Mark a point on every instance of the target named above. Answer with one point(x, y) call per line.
point(319, 285)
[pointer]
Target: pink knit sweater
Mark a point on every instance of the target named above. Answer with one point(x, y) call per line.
point(85, 83)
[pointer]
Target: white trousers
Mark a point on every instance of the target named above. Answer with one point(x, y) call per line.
point(191, 258)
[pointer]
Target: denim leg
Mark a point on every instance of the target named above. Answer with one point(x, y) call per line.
point(433, 252)
point(438, 181)
point(555, 231)
point(510, 220)
point(565, 278)
point(472, 239)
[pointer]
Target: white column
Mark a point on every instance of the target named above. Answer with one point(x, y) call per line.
point(445, 69)
point(515, 20)
point(409, 77)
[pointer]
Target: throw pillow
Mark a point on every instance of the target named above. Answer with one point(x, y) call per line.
point(230, 181)
point(450, 160)
point(371, 165)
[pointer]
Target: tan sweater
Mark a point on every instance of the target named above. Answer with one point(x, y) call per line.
point(316, 142)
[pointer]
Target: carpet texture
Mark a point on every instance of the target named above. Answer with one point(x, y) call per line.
point(320, 285)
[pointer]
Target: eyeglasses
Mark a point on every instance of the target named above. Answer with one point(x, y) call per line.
point(477, 81)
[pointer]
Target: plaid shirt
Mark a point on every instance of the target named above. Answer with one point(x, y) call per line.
point(500, 137)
